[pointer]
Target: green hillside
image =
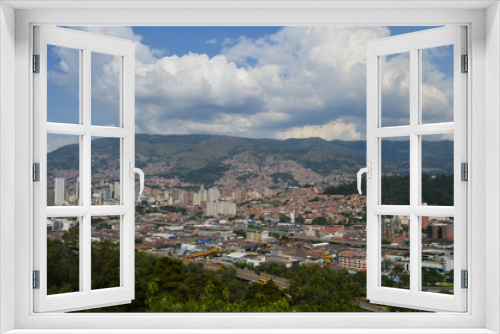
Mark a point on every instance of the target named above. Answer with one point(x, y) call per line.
point(204, 158)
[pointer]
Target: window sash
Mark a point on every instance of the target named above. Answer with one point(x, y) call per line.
point(414, 298)
point(86, 43)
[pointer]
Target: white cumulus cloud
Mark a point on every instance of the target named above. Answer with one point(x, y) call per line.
point(329, 131)
point(299, 81)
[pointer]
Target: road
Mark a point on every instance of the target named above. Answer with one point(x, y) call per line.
point(352, 243)
point(372, 308)
point(248, 275)
point(244, 274)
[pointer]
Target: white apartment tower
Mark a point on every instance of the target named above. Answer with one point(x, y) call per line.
point(203, 195)
point(221, 209)
point(213, 194)
point(116, 194)
point(196, 199)
point(59, 190)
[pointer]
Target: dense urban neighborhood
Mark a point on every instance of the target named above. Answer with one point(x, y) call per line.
point(256, 234)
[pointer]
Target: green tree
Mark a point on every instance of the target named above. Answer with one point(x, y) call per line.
point(387, 282)
point(431, 276)
point(284, 219)
point(300, 220)
point(405, 280)
point(240, 233)
point(105, 265)
point(360, 278)
point(193, 268)
point(398, 269)
point(63, 263)
point(320, 289)
point(450, 276)
point(265, 298)
point(320, 221)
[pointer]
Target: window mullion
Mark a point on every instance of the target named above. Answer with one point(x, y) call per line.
point(434, 129)
point(85, 258)
point(414, 168)
point(394, 131)
point(86, 142)
point(86, 162)
point(81, 189)
point(109, 210)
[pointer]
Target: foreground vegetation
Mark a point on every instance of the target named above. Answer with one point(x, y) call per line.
point(164, 284)
point(168, 285)
point(436, 190)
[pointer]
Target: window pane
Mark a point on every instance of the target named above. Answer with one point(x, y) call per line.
point(437, 84)
point(437, 254)
point(106, 75)
point(395, 182)
point(63, 170)
point(395, 246)
point(395, 86)
point(63, 255)
point(63, 85)
point(437, 169)
point(105, 252)
point(105, 171)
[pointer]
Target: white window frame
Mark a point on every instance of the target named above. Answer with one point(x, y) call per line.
point(376, 133)
point(86, 44)
point(483, 21)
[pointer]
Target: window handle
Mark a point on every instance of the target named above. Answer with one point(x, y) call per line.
point(368, 171)
point(133, 171)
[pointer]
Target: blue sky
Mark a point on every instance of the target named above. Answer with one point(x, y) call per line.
point(210, 40)
point(275, 82)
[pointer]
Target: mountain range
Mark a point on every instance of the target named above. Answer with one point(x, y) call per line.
point(233, 162)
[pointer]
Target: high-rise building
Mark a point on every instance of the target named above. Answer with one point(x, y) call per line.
point(392, 230)
point(59, 189)
point(221, 209)
point(229, 209)
point(181, 197)
point(107, 194)
point(77, 188)
point(196, 199)
point(260, 236)
point(440, 231)
point(213, 194)
point(203, 195)
point(50, 196)
point(62, 224)
point(116, 194)
point(211, 209)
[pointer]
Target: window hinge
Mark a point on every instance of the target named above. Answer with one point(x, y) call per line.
point(36, 63)
point(465, 279)
point(36, 172)
point(464, 171)
point(36, 279)
point(465, 64)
